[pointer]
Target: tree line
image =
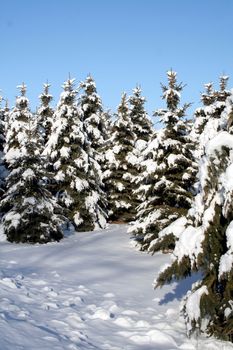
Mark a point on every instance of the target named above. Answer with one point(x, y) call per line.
point(80, 165)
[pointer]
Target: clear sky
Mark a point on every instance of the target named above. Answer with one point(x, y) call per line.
point(120, 42)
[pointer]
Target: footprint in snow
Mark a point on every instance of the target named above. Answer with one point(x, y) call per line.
point(10, 283)
point(102, 315)
point(125, 322)
point(130, 313)
point(38, 282)
point(48, 306)
point(72, 302)
point(153, 338)
point(109, 295)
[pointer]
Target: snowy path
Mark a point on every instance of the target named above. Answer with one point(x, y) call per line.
point(90, 291)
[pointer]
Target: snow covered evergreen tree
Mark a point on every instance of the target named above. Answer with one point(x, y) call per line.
point(108, 122)
point(121, 166)
point(165, 185)
point(96, 124)
point(93, 115)
point(77, 174)
point(207, 118)
point(45, 114)
point(30, 211)
point(206, 243)
point(142, 126)
point(2, 142)
point(200, 115)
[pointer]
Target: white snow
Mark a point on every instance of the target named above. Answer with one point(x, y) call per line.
point(222, 139)
point(120, 186)
point(140, 145)
point(13, 154)
point(29, 200)
point(81, 184)
point(77, 219)
point(27, 174)
point(92, 290)
point(189, 243)
point(13, 218)
point(65, 152)
point(193, 305)
point(173, 158)
point(176, 227)
point(226, 260)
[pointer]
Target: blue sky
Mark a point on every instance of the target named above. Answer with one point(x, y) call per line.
point(120, 42)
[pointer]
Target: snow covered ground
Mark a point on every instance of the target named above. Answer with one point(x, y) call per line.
point(90, 291)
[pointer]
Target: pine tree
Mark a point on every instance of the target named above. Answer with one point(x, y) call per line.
point(2, 142)
point(108, 123)
point(96, 126)
point(93, 115)
point(77, 174)
point(45, 114)
point(201, 113)
point(207, 118)
point(31, 214)
point(142, 126)
point(121, 166)
point(206, 242)
point(165, 185)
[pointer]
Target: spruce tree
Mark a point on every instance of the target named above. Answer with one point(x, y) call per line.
point(77, 174)
point(96, 125)
point(205, 244)
point(166, 184)
point(200, 114)
point(93, 116)
point(108, 123)
point(2, 143)
point(121, 166)
point(207, 118)
point(142, 126)
point(45, 113)
point(91, 106)
point(31, 214)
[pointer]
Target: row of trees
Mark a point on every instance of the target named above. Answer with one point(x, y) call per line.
point(71, 164)
point(75, 165)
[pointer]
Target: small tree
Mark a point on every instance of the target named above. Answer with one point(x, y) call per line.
point(165, 185)
point(121, 166)
point(77, 174)
point(208, 119)
point(30, 211)
point(45, 114)
point(142, 126)
point(2, 143)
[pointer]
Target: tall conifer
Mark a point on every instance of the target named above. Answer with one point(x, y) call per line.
point(206, 242)
point(77, 174)
point(45, 114)
point(31, 214)
point(165, 185)
point(121, 166)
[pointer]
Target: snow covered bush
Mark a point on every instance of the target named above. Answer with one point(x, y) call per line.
point(165, 185)
point(206, 242)
point(30, 212)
